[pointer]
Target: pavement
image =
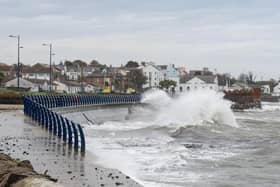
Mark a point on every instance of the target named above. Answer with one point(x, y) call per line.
point(22, 138)
point(11, 107)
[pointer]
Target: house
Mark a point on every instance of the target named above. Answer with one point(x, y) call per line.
point(170, 73)
point(223, 82)
point(90, 88)
point(182, 71)
point(153, 73)
point(266, 86)
point(23, 84)
point(75, 72)
point(43, 85)
point(6, 69)
point(71, 87)
point(199, 82)
point(276, 90)
point(39, 72)
point(99, 79)
point(204, 71)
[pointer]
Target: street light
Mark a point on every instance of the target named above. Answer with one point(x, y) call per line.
point(51, 54)
point(18, 47)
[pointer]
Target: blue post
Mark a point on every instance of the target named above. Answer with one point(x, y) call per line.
point(76, 138)
point(58, 125)
point(82, 138)
point(70, 141)
point(64, 130)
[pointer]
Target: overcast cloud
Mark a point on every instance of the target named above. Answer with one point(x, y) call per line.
point(228, 35)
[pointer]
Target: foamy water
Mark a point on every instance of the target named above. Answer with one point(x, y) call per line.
point(191, 140)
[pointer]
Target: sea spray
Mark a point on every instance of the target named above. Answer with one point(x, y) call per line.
point(190, 108)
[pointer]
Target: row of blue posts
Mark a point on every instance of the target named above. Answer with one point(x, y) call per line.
point(53, 101)
point(56, 124)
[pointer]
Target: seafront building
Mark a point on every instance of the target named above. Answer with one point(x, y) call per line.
point(199, 82)
point(153, 73)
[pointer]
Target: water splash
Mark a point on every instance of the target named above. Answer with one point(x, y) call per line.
point(191, 108)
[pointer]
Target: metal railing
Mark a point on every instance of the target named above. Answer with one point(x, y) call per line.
point(56, 124)
point(54, 101)
point(38, 107)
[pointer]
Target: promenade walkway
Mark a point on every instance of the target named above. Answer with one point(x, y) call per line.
point(23, 139)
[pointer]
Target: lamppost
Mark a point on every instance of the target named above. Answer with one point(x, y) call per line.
point(18, 64)
point(51, 54)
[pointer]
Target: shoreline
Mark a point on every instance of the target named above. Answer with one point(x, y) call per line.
point(25, 140)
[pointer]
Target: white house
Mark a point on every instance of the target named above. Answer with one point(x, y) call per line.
point(75, 72)
point(68, 87)
point(153, 74)
point(39, 72)
point(276, 90)
point(199, 82)
point(266, 89)
point(90, 88)
point(22, 84)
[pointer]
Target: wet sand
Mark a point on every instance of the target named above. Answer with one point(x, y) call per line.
point(23, 139)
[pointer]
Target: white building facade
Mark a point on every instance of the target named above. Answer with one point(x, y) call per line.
point(153, 74)
point(199, 83)
point(276, 90)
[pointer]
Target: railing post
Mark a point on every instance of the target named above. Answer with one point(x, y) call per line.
point(69, 130)
point(82, 138)
point(76, 138)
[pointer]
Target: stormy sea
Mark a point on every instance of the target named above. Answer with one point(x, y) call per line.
point(194, 139)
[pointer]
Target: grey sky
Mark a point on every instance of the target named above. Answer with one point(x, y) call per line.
point(228, 35)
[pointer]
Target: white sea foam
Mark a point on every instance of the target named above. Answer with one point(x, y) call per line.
point(191, 108)
point(144, 150)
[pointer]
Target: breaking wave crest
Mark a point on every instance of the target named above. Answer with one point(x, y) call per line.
point(192, 108)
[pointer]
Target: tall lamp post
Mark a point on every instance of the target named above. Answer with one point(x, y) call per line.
point(18, 63)
point(51, 54)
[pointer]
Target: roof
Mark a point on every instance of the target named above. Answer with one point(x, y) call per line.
point(5, 67)
point(71, 83)
point(162, 67)
point(38, 68)
point(41, 82)
point(22, 83)
point(210, 79)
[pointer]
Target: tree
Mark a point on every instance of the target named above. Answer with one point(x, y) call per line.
point(251, 77)
point(68, 63)
point(132, 64)
point(94, 63)
point(2, 76)
point(166, 84)
point(247, 77)
point(79, 63)
point(243, 77)
point(137, 78)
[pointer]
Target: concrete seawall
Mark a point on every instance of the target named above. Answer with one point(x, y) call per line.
point(25, 140)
